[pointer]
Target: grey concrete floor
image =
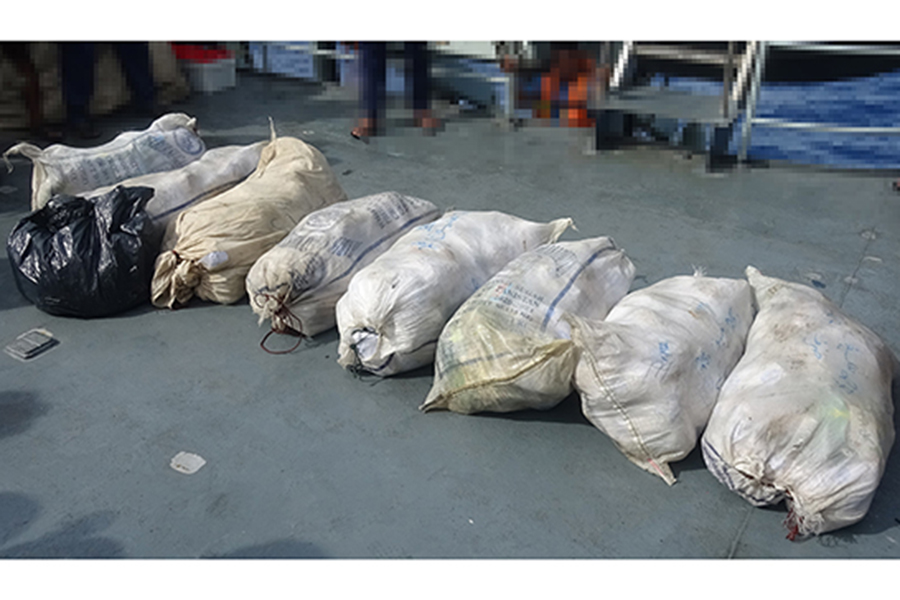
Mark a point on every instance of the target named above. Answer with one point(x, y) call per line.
point(305, 460)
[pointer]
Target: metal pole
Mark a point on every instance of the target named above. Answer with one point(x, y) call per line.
point(754, 97)
point(726, 82)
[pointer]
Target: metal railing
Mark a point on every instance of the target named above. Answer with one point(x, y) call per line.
point(750, 118)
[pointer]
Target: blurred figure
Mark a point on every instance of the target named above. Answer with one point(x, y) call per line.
point(19, 53)
point(373, 56)
point(567, 86)
point(77, 68)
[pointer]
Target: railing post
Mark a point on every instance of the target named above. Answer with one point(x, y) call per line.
point(758, 68)
point(726, 80)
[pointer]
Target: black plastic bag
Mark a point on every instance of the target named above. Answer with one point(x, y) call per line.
point(91, 257)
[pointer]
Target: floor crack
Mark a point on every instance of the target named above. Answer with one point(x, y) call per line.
point(869, 235)
point(740, 532)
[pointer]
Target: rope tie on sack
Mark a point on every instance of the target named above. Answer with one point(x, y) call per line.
point(283, 316)
point(357, 367)
point(792, 522)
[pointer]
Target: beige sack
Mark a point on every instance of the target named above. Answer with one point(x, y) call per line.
point(806, 416)
point(217, 171)
point(170, 142)
point(210, 247)
point(395, 308)
point(509, 346)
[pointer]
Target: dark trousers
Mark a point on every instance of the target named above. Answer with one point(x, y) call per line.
point(77, 62)
point(374, 64)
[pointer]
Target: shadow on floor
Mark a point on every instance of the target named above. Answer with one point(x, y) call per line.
point(72, 539)
point(10, 297)
point(567, 411)
point(18, 410)
point(17, 511)
point(692, 462)
point(283, 548)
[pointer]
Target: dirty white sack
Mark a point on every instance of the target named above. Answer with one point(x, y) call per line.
point(297, 283)
point(209, 248)
point(394, 309)
point(649, 375)
point(219, 169)
point(170, 142)
point(806, 415)
point(508, 347)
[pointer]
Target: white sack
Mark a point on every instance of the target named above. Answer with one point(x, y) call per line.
point(394, 309)
point(209, 248)
point(170, 142)
point(508, 347)
point(650, 373)
point(217, 170)
point(297, 283)
point(806, 415)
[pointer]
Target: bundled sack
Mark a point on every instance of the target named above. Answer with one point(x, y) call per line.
point(209, 248)
point(169, 143)
point(297, 283)
point(216, 171)
point(649, 375)
point(394, 309)
point(80, 257)
point(806, 415)
point(508, 347)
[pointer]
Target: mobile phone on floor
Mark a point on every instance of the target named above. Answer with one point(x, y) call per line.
point(31, 343)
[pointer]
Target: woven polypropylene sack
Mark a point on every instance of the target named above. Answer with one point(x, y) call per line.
point(210, 247)
point(170, 142)
point(649, 375)
point(806, 416)
point(509, 347)
point(394, 309)
point(297, 283)
point(81, 257)
point(218, 170)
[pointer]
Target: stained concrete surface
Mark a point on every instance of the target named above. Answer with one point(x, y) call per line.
point(306, 460)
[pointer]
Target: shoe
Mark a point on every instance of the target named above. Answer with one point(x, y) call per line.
point(360, 134)
point(364, 130)
point(430, 125)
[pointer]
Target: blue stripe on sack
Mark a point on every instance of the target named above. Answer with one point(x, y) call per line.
point(406, 225)
point(571, 282)
point(211, 192)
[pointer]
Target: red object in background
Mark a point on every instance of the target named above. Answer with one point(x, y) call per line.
point(199, 54)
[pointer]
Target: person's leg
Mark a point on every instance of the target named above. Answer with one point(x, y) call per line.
point(19, 54)
point(77, 73)
point(418, 68)
point(373, 57)
point(135, 59)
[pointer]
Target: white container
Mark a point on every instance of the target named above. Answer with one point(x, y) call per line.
point(211, 77)
point(291, 59)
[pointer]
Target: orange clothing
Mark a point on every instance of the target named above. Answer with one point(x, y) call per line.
point(572, 111)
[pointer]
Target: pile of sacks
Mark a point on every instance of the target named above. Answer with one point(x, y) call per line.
point(155, 207)
point(788, 397)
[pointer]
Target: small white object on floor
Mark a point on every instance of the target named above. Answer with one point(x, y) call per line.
point(187, 463)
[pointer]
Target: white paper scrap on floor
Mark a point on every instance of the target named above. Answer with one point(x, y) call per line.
point(394, 309)
point(509, 347)
point(650, 373)
point(806, 415)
